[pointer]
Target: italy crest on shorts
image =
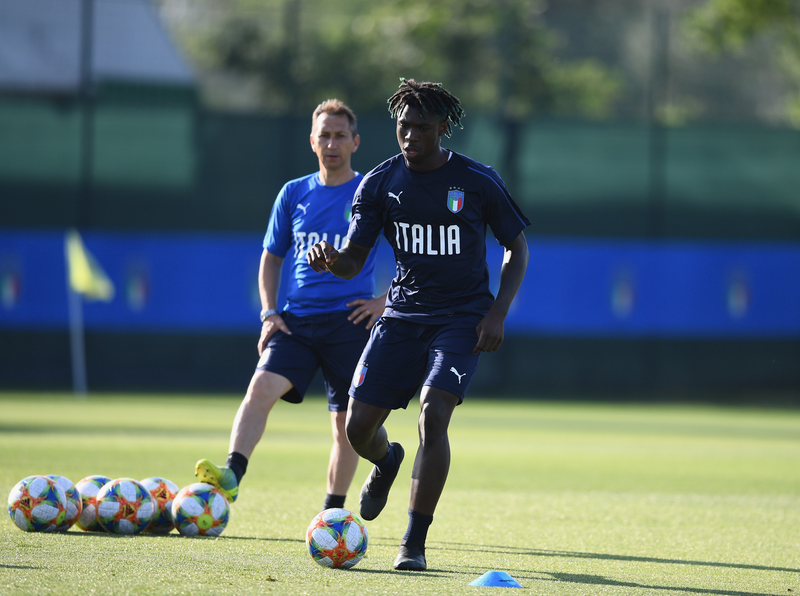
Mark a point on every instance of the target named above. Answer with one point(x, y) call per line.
point(455, 200)
point(360, 375)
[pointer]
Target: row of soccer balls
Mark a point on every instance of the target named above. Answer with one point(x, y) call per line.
point(334, 538)
point(121, 506)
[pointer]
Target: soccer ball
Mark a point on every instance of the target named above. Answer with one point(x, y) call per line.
point(163, 492)
point(337, 538)
point(74, 503)
point(89, 487)
point(124, 506)
point(200, 510)
point(37, 504)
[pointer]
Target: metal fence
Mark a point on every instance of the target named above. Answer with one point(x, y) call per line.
point(686, 192)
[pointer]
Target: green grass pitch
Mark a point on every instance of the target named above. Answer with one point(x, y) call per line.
point(569, 499)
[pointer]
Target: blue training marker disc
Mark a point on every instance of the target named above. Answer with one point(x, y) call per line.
point(496, 579)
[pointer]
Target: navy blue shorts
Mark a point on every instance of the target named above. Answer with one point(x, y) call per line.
point(402, 355)
point(328, 341)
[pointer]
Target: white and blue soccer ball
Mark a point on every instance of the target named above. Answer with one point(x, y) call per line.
point(337, 538)
point(88, 488)
point(163, 492)
point(124, 506)
point(200, 509)
point(37, 504)
point(74, 502)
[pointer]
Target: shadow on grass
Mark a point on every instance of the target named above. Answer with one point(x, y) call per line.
point(599, 580)
point(73, 533)
point(300, 540)
point(174, 535)
point(106, 429)
point(427, 573)
point(2, 566)
point(603, 556)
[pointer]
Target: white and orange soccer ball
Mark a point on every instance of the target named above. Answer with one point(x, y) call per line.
point(200, 509)
point(37, 504)
point(124, 506)
point(73, 504)
point(337, 538)
point(163, 492)
point(88, 488)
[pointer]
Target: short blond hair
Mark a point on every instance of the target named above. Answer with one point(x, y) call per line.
point(335, 107)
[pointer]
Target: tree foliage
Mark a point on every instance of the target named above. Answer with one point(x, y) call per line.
point(496, 55)
point(720, 26)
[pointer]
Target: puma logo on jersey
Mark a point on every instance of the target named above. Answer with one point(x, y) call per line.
point(303, 207)
point(455, 372)
point(394, 196)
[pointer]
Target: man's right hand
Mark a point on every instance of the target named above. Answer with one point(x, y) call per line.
point(270, 327)
point(321, 256)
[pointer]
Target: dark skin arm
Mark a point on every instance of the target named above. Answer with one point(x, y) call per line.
point(491, 329)
point(346, 262)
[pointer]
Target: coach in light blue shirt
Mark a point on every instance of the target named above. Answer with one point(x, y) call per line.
point(326, 320)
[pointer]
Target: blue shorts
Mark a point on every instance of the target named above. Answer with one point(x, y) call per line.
point(328, 341)
point(402, 355)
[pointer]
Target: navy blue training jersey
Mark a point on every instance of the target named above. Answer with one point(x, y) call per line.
point(436, 223)
point(305, 212)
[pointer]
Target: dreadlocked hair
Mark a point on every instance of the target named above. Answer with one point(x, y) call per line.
point(427, 97)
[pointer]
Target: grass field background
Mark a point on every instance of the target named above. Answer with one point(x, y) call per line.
point(568, 498)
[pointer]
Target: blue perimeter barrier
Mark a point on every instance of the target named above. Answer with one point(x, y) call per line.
point(573, 287)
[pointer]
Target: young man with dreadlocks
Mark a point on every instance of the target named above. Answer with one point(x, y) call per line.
point(432, 205)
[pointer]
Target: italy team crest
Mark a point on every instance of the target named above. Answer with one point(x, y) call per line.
point(348, 211)
point(455, 200)
point(361, 373)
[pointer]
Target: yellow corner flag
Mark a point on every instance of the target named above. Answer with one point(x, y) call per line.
point(85, 274)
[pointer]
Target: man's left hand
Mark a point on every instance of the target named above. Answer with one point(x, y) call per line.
point(370, 309)
point(490, 331)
